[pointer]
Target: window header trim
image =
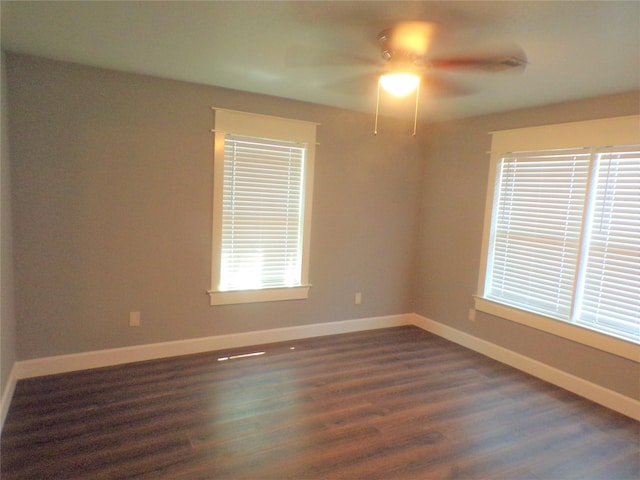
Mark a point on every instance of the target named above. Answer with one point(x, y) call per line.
point(585, 134)
point(263, 126)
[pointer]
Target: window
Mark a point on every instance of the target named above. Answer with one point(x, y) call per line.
point(562, 240)
point(263, 173)
point(609, 287)
point(536, 231)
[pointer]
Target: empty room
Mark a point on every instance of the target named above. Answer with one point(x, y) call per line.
point(320, 240)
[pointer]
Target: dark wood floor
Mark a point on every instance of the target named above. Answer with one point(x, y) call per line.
point(384, 404)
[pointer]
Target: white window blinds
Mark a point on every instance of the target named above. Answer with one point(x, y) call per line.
point(263, 205)
point(536, 230)
point(565, 237)
point(611, 290)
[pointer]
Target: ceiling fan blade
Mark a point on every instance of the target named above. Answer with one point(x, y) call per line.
point(496, 64)
point(432, 85)
point(301, 56)
point(499, 61)
point(354, 85)
point(438, 86)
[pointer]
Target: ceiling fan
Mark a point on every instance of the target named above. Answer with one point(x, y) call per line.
point(412, 53)
point(406, 50)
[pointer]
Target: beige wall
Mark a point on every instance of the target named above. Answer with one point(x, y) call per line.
point(453, 201)
point(7, 317)
point(112, 199)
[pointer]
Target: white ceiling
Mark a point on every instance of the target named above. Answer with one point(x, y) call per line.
point(312, 51)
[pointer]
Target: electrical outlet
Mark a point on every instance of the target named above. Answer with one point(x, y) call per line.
point(358, 298)
point(134, 319)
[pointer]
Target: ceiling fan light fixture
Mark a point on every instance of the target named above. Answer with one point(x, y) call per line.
point(399, 84)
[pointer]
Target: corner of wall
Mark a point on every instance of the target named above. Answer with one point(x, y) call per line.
point(7, 312)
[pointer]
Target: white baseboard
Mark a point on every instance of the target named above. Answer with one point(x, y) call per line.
point(596, 393)
point(7, 395)
point(116, 356)
point(104, 358)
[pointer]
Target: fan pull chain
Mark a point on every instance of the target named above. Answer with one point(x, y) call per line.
point(375, 128)
point(415, 117)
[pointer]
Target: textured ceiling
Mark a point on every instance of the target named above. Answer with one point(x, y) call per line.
point(325, 52)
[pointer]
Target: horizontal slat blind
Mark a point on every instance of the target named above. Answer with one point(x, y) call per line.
point(611, 295)
point(536, 230)
point(262, 213)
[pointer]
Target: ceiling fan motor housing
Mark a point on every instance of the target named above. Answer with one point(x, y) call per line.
point(397, 56)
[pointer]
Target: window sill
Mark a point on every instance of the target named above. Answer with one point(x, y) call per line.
point(256, 296)
point(577, 333)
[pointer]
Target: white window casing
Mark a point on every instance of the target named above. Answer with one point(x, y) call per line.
point(263, 190)
point(561, 244)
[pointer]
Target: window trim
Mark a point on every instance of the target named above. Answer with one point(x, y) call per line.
point(268, 127)
point(571, 331)
point(585, 134)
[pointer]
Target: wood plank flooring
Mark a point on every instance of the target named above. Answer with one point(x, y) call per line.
point(396, 403)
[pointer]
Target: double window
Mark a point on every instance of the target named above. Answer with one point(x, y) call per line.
point(562, 239)
point(263, 174)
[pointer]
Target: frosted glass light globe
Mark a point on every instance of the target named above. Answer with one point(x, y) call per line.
point(399, 84)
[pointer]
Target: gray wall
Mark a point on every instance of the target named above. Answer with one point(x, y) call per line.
point(112, 177)
point(7, 317)
point(112, 187)
point(453, 200)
